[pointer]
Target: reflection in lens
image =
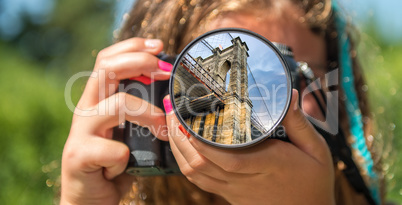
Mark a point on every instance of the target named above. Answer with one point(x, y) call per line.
point(230, 88)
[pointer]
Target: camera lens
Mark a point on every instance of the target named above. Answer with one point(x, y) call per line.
point(231, 88)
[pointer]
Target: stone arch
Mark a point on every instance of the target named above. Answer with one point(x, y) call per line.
point(225, 73)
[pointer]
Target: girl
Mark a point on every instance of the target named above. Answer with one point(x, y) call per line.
point(272, 172)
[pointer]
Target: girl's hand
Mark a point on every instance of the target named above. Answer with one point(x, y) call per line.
point(93, 163)
point(272, 172)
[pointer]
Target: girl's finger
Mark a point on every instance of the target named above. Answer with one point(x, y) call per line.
point(110, 71)
point(153, 46)
point(117, 109)
point(105, 156)
point(265, 155)
point(302, 134)
point(204, 181)
point(191, 158)
point(225, 163)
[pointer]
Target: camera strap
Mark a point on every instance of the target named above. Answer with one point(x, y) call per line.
point(342, 153)
point(340, 150)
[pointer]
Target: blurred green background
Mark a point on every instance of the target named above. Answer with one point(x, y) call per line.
point(44, 42)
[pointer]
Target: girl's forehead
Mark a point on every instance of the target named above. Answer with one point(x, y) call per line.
point(267, 27)
point(274, 19)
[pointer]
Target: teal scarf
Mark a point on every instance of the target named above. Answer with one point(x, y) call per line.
point(352, 104)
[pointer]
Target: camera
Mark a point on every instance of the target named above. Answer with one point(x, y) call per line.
point(151, 156)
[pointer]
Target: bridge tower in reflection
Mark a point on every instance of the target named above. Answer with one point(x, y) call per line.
point(212, 94)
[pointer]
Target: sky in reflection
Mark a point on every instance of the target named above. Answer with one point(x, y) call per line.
point(267, 80)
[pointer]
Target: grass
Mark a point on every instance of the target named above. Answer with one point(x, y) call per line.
point(383, 70)
point(34, 124)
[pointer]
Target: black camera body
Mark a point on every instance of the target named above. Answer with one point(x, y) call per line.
point(151, 156)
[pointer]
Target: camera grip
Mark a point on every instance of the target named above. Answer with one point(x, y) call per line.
point(148, 155)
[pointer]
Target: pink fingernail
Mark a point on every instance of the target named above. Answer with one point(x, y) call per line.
point(165, 66)
point(168, 105)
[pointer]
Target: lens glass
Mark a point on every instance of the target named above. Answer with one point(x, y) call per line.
point(230, 88)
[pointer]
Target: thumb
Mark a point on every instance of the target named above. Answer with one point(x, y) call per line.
point(301, 133)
